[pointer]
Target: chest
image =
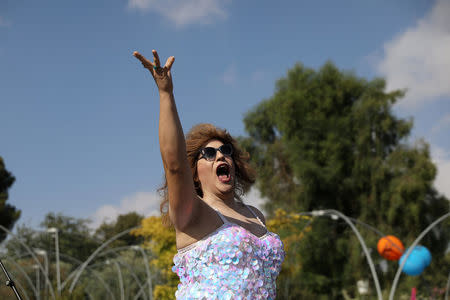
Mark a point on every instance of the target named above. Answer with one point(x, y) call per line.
point(208, 221)
point(229, 249)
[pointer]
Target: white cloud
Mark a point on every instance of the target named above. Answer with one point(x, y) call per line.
point(229, 77)
point(147, 204)
point(184, 12)
point(419, 60)
point(442, 160)
point(144, 203)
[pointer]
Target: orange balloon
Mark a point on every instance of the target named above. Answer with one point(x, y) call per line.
point(390, 247)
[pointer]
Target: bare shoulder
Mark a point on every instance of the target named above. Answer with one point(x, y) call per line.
point(258, 213)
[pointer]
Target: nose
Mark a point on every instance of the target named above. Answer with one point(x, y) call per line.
point(219, 156)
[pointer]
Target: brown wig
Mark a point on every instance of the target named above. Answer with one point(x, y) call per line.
point(196, 139)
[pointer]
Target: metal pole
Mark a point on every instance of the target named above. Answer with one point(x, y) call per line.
point(46, 275)
point(119, 272)
point(361, 241)
point(147, 270)
point(90, 258)
point(22, 271)
point(414, 244)
point(38, 284)
point(24, 291)
point(10, 282)
point(121, 261)
point(122, 291)
point(58, 270)
point(47, 282)
point(91, 269)
point(32, 255)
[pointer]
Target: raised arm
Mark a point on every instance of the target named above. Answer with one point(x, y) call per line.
point(183, 200)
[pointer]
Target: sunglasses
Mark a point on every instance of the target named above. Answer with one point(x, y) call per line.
point(209, 153)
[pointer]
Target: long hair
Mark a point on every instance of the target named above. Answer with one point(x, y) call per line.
point(197, 138)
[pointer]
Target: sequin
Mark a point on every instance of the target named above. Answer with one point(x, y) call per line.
point(231, 263)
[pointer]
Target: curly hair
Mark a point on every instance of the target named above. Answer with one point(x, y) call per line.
point(197, 138)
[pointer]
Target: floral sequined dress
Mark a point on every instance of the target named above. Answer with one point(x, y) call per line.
point(230, 263)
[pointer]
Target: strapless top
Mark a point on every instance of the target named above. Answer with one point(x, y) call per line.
point(230, 263)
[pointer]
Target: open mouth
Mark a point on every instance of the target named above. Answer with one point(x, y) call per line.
point(223, 173)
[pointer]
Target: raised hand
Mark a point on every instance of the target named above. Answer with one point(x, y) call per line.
point(162, 75)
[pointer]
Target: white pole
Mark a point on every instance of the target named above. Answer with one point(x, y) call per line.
point(364, 246)
point(47, 282)
point(38, 288)
point(122, 291)
point(407, 253)
point(100, 248)
point(58, 270)
point(147, 270)
point(46, 274)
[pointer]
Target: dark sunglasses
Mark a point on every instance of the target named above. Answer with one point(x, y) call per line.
point(209, 153)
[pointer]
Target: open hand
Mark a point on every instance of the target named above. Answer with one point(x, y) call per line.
point(162, 75)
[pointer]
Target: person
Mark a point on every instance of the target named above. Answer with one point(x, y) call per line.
point(224, 248)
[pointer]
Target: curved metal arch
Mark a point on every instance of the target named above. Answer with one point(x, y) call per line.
point(16, 282)
point(22, 270)
point(413, 245)
point(93, 272)
point(318, 213)
point(79, 262)
point(364, 246)
point(90, 258)
point(47, 280)
point(115, 251)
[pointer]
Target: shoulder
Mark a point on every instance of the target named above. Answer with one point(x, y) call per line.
point(258, 213)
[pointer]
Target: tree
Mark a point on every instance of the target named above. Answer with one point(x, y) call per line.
point(76, 243)
point(123, 222)
point(328, 139)
point(8, 213)
point(160, 240)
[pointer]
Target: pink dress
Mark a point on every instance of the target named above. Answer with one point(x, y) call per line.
point(230, 263)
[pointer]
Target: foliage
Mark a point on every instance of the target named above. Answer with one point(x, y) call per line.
point(132, 271)
point(123, 222)
point(292, 229)
point(76, 243)
point(74, 236)
point(8, 213)
point(160, 240)
point(328, 139)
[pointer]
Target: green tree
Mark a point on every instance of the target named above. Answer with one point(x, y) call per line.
point(8, 213)
point(77, 241)
point(75, 238)
point(123, 222)
point(329, 139)
point(160, 240)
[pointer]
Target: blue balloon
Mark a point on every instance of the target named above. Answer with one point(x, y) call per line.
point(425, 254)
point(415, 264)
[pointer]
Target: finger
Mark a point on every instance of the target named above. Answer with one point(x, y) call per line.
point(169, 62)
point(148, 64)
point(156, 58)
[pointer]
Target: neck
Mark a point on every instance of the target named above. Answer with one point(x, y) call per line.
point(220, 200)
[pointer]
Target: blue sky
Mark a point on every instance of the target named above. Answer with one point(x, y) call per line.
point(78, 113)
